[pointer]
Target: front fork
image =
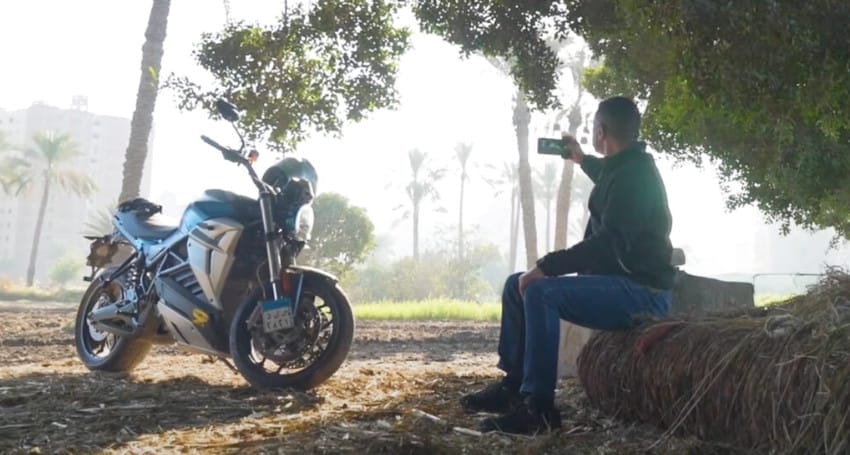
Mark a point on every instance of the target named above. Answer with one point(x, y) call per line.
point(280, 311)
point(272, 243)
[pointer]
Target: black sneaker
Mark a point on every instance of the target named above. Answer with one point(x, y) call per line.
point(497, 397)
point(530, 417)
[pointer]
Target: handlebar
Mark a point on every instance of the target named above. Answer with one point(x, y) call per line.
point(228, 154)
point(236, 157)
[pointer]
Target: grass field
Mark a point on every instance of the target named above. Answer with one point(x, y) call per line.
point(769, 299)
point(436, 309)
point(446, 309)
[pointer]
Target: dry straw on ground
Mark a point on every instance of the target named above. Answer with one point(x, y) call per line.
point(396, 394)
point(775, 379)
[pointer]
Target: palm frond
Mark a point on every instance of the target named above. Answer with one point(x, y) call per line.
point(99, 222)
point(75, 181)
point(463, 152)
point(437, 174)
point(417, 159)
point(53, 148)
point(16, 174)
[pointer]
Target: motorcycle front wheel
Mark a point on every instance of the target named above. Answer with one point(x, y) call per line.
point(302, 357)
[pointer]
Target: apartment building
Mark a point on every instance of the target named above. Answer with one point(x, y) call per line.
point(102, 142)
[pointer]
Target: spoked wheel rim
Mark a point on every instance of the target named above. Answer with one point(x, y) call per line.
point(97, 343)
point(290, 352)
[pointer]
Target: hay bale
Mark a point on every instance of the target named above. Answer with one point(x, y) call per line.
point(774, 380)
point(692, 296)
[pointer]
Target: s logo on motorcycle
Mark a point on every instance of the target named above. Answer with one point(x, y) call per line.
point(199, 317)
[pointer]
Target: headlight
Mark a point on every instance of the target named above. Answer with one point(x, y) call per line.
point(303, 225)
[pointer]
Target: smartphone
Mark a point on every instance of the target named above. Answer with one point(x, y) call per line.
point(549, 146)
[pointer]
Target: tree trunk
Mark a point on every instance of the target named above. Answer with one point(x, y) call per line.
point(416, 232)
point(521, 119)
point(36, 236)
point(140, 126)
point(562, 205)
point(460, 218)
point(514, 231)
point(548, 223)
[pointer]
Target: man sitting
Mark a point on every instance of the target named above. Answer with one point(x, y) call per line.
point(622, 268)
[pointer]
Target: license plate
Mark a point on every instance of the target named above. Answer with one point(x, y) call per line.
point(277, 315)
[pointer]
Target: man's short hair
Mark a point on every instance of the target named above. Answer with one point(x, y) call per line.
point(621, 118)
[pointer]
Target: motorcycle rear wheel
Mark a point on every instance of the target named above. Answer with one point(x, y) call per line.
point(101, 351)
point(304, 372)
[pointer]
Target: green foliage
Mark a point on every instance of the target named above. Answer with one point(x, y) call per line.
point(515, 31)
point(313, 69)
point(461, 275)
point(761, 87)
point(343, 235)
point(438, 273)
point(66, 269)
point(423, 310)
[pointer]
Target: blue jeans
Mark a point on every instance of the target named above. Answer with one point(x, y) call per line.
point(528, 341)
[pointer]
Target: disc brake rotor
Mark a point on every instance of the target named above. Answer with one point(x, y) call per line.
point(286, 346)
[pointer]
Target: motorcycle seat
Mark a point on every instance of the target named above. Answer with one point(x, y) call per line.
point(154, 227)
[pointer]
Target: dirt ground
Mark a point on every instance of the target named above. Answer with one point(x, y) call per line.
point(397, 393)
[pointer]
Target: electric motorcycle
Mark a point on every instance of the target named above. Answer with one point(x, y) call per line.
point(223, 281)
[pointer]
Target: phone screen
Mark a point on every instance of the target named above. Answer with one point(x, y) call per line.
point(549, 146)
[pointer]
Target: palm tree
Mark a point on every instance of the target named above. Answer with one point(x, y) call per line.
point(140, 126)
point(546, 186)
point(462, 152)
point(421, 187)
point(573, 113)
point(48, 162)
point(521, 120)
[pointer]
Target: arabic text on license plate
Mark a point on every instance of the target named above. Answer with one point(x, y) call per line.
point(277, 315)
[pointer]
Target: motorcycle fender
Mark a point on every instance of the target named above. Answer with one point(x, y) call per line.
point(308, 271)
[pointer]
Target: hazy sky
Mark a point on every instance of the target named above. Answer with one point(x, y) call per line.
point(53, 49)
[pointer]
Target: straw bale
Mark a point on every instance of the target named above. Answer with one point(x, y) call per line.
point(774, 379)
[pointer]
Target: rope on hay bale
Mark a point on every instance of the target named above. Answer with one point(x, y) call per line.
point(776, 379)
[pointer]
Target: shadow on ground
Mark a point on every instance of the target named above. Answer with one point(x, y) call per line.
point(90, 412)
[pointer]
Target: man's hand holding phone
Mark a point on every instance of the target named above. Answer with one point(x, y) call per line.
point(573, 148)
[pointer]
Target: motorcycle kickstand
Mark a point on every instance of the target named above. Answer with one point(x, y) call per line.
point(212, 359)
point(229, 365)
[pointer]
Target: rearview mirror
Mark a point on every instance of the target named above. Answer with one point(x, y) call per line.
point(227, 110)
